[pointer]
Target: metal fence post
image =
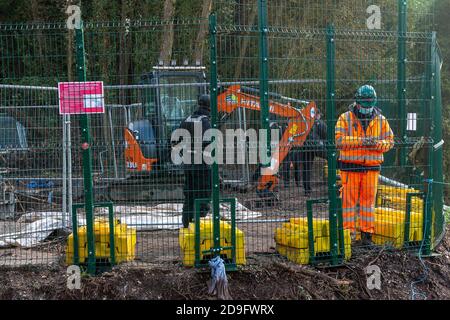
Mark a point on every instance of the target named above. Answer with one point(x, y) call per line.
point(86, 153)
point(436, 133)
point(409, 197)
point(401, 75)
point(214, 120)
point(264, 75)
point(331, 145)
point(427, 219)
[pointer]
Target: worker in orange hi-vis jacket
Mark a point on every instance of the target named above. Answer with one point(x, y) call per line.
point(363, 135)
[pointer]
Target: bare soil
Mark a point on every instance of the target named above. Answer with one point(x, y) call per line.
point(264, 277)
point(157, 272)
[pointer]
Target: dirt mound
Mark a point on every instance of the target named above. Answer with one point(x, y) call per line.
point(265, 277)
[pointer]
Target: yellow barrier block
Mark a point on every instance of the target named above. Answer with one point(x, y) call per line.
point(292, 239)
point(124, 242)
point(320, 226)
point(397, 202)
point(395, 198)
point(416, 219)
point(299, 256)
point(298, 238)
point(395, 191)
point(390, 227)
point(186, 239)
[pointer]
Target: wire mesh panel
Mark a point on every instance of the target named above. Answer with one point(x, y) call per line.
point(304, 60)
point(349, 14)
point(34, 57)
point(378, 199)
point(296, 79)
point(154, 73)
point(301, 170)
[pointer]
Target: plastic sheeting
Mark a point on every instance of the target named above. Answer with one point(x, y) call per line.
point(36, 227)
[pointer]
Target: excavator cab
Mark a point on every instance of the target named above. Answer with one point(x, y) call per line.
point(12, 135)
point(168, 95)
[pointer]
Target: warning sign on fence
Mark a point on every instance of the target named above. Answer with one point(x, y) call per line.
point(81, 97)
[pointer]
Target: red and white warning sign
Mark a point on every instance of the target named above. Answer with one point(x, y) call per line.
point(81, 97)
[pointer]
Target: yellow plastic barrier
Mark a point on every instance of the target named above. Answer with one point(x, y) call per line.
point(394, 191)
point(390, 216)
point(390, 227)
point(399, 202)
point(187, 242)
point(292, 239)
point(124, 242)
point(395, 198)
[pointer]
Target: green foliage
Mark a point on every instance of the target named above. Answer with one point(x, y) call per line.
point(122, 51)
point(443, 30)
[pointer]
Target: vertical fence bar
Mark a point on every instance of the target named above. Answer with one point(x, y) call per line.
point(197, 253)
point(112, 240)
point(409, 197)
point(264, 75)
point(64, 173)
point(214, 120)
point(310, 217)
point(69, 166)
point(436, 133)
point(427, 219)
point(331, 146)
point(76, 243)
point(233, 229)
point(401, 76)
point(86, 153)
point(340, 224)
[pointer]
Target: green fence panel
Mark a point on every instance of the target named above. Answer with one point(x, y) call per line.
point(264, 64)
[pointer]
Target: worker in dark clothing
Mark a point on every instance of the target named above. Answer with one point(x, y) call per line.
point(314, 147)
point(290, 160)
point(302, 158)
point(285, 167)
point(197, 183)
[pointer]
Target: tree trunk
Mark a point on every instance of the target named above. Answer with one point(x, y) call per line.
point(245, 41)
point(41, 62)
point(124, 54)
point(201, 36)
point(167, 36)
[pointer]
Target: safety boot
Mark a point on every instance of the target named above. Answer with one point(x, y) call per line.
point(356, 240)
point(366, 239)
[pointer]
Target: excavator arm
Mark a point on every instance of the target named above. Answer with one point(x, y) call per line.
point(141, 153)
point(300, 122)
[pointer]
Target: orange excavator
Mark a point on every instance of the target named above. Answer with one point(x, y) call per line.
point(166, 102)
point(299, 123)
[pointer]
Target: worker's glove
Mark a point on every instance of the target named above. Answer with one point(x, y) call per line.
point(370, 142)
point(382, 145)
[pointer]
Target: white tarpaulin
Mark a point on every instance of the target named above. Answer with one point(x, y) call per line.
point(37, 226)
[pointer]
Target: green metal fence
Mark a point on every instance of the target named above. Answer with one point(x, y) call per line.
point(262, 63)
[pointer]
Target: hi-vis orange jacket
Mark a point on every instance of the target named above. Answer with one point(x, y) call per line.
point(351, 139)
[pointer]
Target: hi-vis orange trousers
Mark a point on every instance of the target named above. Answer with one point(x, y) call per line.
point(359, 187)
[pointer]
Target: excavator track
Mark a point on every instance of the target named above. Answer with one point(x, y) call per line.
point(147, 188)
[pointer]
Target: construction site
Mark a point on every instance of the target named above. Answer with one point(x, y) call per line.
point(295, 195)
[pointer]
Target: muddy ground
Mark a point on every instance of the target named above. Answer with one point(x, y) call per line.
point(157, 273)
point(264, 277)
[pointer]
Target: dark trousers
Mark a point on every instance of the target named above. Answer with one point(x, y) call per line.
point(302, 161)
point(307, 159)
point(197, 185)
point(286, 168)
